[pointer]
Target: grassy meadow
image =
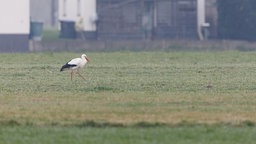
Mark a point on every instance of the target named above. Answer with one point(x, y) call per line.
point(129, 97)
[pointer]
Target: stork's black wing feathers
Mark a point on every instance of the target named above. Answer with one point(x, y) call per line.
point(67, 66)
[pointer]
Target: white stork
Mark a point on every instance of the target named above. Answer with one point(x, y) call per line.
point(76, 63)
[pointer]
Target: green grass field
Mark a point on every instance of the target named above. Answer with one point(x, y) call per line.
point(129, 97)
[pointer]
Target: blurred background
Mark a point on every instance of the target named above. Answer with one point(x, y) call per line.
point(38, 25)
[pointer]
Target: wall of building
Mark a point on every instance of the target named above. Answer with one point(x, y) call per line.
point(14, 26)
point(89, 15)
point(212, 17)
point(140, 45)
point(12, 43)
point(14, 16)
point(82, 11)
point(45, 11)
point(180, 21)
point(147, 19)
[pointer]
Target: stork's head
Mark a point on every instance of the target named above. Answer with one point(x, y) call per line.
point(85, 57)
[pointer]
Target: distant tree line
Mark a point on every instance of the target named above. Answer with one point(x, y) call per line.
point(237, 19)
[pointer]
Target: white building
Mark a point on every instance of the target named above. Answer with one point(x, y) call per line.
point(14, 26)
point(81, 13)
point(44, 11)
point(124, 18)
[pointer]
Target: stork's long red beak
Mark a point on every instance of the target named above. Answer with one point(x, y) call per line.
point(87, 59)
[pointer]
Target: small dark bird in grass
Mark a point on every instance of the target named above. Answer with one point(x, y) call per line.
point(209, 86)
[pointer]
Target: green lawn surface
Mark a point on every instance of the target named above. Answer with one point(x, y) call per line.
point(123, 89)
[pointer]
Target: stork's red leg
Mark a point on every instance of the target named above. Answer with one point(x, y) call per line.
point(71, 74)
point(78, 71)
